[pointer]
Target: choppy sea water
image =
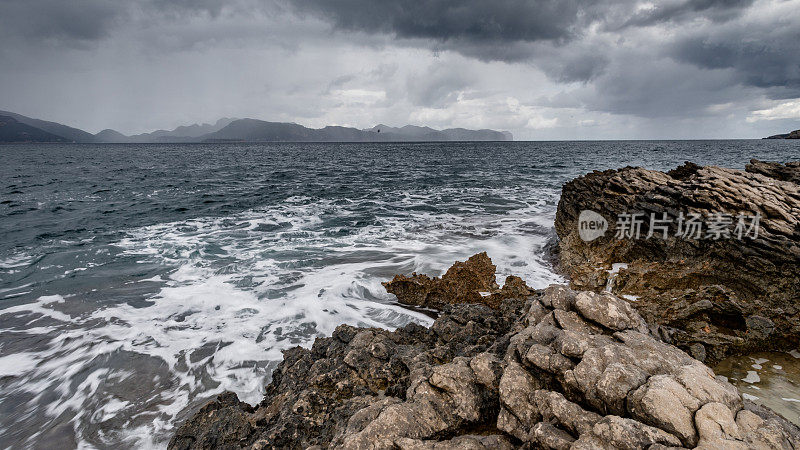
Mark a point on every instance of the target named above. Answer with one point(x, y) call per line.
point(137, 281)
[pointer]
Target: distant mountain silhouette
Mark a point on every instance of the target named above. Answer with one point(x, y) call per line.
point(415, 133)
point(252, 130)
point(182, 133)
point(12, 130)
point(111, 137)
point(245, 130)
point(68, 133)
point(186, 133)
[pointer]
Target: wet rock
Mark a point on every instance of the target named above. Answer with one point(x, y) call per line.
point(222, 422)
point(729, 295)
point(759, 326)
point(471, 281)
point(523, 375)
point(698, 351)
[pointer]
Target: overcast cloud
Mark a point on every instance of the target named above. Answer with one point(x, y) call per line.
point(542, 69)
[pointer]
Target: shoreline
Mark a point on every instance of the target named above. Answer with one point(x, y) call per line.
point(524, 367)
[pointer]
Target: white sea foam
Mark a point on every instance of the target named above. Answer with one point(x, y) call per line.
point(612, 275)
point(241, 289)
point(752, 377)
point(17, 364)
point(42, 306)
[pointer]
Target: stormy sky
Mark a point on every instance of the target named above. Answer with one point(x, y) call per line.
point(542, 69)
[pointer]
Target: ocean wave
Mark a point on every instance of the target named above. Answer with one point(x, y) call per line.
point(237, 290)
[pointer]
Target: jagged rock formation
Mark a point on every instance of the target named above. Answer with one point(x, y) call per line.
point(471, 281)
point(344, 381)
point(716, 297)
point(557, 369)
point(784, 172)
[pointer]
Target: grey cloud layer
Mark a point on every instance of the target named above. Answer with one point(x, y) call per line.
point(668, 58)
point(765, 54)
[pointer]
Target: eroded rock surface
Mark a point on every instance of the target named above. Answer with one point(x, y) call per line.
point(714, 297)
point(471, 281)
point(558, 369)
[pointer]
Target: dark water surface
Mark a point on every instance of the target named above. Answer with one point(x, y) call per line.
point(139, 280)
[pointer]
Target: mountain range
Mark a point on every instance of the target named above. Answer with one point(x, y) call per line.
point(18, 128)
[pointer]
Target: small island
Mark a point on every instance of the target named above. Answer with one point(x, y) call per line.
point(791, 135)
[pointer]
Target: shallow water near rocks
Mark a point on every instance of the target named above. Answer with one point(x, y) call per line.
point(137, 281)
point(771, 379)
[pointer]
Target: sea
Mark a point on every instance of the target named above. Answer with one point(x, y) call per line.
point(138, 281)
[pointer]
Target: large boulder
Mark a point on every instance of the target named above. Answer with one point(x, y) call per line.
point(714, 297)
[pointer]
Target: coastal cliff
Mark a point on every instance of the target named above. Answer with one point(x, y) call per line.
point(598, 364)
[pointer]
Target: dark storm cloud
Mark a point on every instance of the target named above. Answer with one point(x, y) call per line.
point(491, 30)
point(59, 20)
point(659, 87)
point(764, 55)
point(487, 30)
point(675, 11)
point(497, 20)
point(81, 22)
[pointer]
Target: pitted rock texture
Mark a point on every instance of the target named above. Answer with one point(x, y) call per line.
point(714, 297)
point(471, 281)
point(550, 370)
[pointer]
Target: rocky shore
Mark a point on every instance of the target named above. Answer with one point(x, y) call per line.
point(715, 297)
point(613, 361)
